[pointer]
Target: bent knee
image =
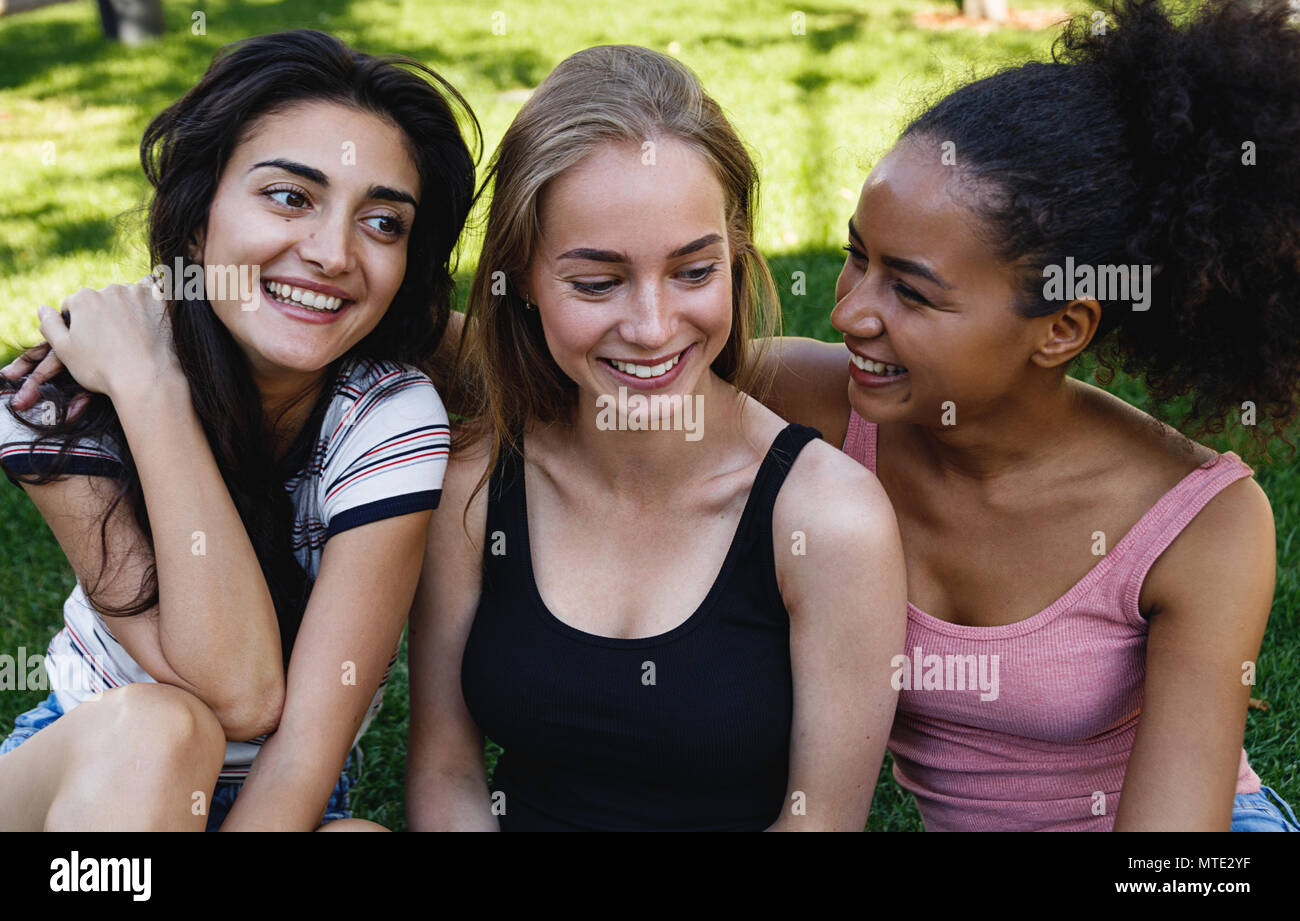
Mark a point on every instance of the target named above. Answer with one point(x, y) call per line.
point(160, 718)
point(352, 825)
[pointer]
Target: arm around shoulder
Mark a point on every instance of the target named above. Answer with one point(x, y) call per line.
point(810, 383)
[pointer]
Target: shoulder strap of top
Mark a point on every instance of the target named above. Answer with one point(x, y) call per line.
point(860, 441)
point(507, 514)
point(756, 520)
point(1165, 520)
point(779, 459)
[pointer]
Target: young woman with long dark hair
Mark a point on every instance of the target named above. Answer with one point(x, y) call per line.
point(245, 493)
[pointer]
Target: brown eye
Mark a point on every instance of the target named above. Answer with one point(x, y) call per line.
point(387, 224)
point(293, 198)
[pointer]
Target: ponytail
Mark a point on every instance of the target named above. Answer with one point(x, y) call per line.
point(1160, 141)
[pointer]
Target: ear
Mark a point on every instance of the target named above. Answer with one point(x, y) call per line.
point(1068, 333)
point(195, 248)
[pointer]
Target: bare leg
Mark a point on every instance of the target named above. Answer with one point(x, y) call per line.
point(352, 825)
point(133, 759)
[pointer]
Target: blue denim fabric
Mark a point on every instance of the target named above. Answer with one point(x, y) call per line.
point(29, 723)
point(1256, 812)
point(339, 807)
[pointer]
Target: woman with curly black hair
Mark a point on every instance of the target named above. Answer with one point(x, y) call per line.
point(1089, 587)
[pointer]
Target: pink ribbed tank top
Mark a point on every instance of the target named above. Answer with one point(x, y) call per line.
point(1037, 739)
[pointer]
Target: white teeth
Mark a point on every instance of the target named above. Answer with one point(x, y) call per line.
point(876, 367)
point(644, 371)
point(313, 300)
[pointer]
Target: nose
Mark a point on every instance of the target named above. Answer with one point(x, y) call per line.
point(328, 244)
point(857, 313)
point(651, 322)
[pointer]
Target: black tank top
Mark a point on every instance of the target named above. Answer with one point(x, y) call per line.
point(687, 730)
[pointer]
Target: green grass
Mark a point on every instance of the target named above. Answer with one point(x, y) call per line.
point(816, 109)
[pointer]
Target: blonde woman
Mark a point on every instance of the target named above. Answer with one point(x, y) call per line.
point(672, 609)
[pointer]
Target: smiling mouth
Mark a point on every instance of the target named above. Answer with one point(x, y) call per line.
point(303, 297)
point(644, 371)
point(876, 367)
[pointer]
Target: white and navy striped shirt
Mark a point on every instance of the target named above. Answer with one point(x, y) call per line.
point(381, 452)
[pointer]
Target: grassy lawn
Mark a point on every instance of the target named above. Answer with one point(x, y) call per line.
point(816, 108)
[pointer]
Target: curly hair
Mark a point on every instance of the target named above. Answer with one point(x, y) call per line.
point(1168, 139)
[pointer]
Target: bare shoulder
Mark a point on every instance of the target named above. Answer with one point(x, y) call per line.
point(461, 517)
point(1137, 440)
point(836, 542)
point(1223, 561)
point(467, 464)
point(833, 502)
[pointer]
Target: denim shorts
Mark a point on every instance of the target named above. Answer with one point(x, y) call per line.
point(1256, 812)
point(223, 797)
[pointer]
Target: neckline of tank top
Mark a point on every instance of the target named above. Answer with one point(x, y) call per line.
point(1042, 618)
point(766, 470)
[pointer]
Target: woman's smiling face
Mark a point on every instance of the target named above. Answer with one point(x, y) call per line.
point(632, 271)
point(319, 198)
point(922, 291)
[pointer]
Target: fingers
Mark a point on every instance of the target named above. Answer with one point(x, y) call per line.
point(48, 368)
point(22, 365)
point(53, 327)
point(78, 404)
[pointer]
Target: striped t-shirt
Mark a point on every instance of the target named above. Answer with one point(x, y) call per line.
point(381, 452)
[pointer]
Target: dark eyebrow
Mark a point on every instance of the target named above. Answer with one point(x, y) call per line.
point(595, 255)
point(906, 266)
point(608, 255)
point(695, 245)
point(386, 194)
point(298, 169)
point(382, 192)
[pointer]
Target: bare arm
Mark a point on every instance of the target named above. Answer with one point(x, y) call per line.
point(1209, 594)
point(840, 568)
point(352, 626)
point(217, 630)
point(810, 383)
point(215, 633)
point(446, 781)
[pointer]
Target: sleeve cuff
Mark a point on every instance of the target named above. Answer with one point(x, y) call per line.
point(381, 509)
point(21, 464)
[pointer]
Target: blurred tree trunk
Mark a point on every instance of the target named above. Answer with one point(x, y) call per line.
point(132, 22)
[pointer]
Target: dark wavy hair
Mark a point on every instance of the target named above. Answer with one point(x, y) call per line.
point(1169, 139)
point(184, 152)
